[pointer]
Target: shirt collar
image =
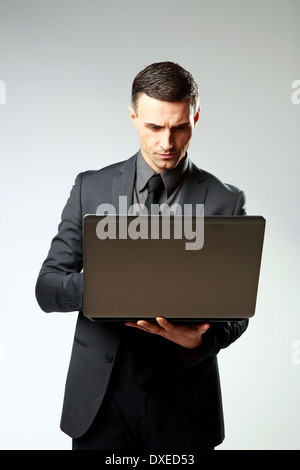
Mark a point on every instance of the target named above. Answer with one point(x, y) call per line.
point(171, 178)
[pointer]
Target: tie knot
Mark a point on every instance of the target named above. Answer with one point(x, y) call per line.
point(155, 184)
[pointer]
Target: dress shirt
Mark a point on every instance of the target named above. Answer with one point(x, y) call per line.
point(149, 354)
point(172, 180)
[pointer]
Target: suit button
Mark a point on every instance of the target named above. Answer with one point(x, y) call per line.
point(109, 357)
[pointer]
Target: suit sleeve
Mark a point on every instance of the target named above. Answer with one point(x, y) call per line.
point(59, 286)
point(219, 336)
point(240, 208)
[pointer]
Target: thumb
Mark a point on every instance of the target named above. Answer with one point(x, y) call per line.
point(203, 327)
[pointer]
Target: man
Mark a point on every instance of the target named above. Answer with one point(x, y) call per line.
point(142, 385)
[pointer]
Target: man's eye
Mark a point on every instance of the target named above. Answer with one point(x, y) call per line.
point(154, 128)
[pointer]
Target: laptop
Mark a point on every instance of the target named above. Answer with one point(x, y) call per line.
point(189, 268)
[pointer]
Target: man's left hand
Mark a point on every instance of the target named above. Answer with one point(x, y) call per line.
point(188, 336)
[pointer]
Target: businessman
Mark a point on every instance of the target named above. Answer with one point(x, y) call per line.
point(141, 385)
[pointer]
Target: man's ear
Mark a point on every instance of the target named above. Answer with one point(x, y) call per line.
point(132, 115)
point(197, 115)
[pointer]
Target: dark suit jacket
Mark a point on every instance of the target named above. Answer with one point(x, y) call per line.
point(59, 288)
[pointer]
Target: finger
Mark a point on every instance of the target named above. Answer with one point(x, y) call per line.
point(130, 323)
point(137, 324)
point(145, 326)
point(203, 327)
point(163, 323)
point(151, 327)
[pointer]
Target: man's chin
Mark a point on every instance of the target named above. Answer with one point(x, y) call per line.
point(160, 164)
point(167, 163)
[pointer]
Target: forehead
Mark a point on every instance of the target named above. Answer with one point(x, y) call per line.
point(159, 112)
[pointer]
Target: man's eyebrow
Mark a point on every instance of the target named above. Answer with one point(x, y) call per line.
point(182, 124)
point(151, 124)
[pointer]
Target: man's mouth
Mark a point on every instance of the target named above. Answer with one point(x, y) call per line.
point(166, 155)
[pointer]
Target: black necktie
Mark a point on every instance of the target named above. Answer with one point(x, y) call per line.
point(141, 362)
point(155, 188)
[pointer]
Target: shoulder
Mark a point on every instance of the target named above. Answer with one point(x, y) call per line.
point(211, 180)
point(214, 181)
point(221, 198)
point(106, 174)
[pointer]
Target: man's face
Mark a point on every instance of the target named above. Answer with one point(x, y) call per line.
point(165, 130)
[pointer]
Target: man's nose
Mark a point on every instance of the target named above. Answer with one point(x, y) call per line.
point(167, 141)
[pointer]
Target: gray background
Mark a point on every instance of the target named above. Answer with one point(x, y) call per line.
point(68, 68)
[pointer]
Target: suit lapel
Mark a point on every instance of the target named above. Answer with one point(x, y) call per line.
point(194, 189)
point(123, 185)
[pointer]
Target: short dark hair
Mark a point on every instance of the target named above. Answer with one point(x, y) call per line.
point(165, 81)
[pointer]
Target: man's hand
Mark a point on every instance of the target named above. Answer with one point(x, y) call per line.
point(188, 336)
